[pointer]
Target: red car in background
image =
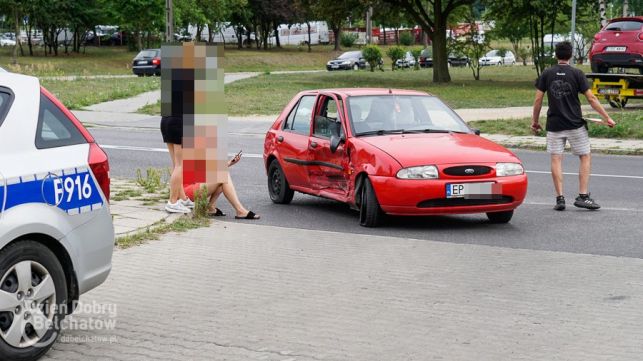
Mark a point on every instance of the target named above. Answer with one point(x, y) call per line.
point(385, 151)
point(618, 44)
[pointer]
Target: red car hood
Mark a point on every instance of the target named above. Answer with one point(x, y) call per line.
point(440, 148)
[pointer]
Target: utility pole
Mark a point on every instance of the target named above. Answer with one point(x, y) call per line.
point(169, 22)
point(573, 29)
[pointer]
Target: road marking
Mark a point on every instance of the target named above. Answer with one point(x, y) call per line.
point(164, 150)
point(252, 155)
point(572, 207)
point(593, 175)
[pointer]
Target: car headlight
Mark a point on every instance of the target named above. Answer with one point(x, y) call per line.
point(346, 62)
point(421, 172)
point(507, 169)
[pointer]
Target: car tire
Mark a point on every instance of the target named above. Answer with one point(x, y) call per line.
point(278, 186)
point(370, 213)
point(355, 67)
point(599, 68)
point(500, 217)
point(617, 103)
point(46, 270)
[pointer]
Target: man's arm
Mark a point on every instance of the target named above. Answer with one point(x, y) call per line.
point(538, 104)
point(596, 105)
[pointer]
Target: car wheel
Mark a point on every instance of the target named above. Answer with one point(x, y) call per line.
point(33, 299)
point(500, 217)
point(616, 103)
point(278, 186)
point(355, 67)
point(599, 68)
point(370, 213)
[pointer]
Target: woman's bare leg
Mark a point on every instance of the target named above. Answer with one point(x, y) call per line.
point(176, 179)
point(231, 195)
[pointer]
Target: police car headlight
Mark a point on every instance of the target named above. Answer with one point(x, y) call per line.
point(507, 169)
point(422, 172)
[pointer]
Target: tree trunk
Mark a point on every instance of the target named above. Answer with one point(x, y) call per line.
point(397, 36)
point(139, 41)
point(384, 34)
point(239, 35)
point(337, 32)
point(440, 56)
point(275, 28)
point(601, 12)
point(308, 23)
point(14, 56)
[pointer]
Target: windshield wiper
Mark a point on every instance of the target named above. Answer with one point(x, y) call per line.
point(382, 132)
point(427, 130)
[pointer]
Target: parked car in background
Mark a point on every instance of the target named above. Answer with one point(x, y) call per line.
point(458, 60)
point(618, 44)
point(56, 231)
point(406, 62)
point(7, 39)
point(347, 61)
point(493, 58)
point(388, 151)
point(426, 58)
point(147, 62)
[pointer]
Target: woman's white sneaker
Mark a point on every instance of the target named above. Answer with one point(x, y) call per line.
point(187, 203)
point(177, 207)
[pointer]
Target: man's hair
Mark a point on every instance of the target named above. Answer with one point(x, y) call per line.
point(564, 50)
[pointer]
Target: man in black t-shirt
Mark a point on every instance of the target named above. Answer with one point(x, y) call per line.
point(563, 83)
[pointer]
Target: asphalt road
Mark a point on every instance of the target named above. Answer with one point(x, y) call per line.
point(617, 229)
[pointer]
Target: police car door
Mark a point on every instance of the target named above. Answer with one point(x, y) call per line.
point(44, 158)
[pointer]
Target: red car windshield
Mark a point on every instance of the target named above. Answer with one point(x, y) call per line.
point(624, 26)
point(381, 114)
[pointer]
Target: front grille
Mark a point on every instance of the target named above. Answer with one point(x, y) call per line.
point(458, 202)
point(467, 170)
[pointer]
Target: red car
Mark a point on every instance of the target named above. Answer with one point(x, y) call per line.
point(618, 44)
point(386, 151)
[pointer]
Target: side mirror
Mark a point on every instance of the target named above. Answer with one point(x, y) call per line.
point(335, 141)
point(476, 131)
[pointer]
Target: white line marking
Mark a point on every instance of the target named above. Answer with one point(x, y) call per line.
point(164, 150)
point(251, 155)
point(593, 175)
point(571, 206)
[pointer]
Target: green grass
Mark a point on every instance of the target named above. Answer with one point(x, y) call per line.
point(182, 224)
point(79, 93)
point(629, 125)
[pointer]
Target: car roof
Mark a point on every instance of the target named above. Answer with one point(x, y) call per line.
point(630, 18)
point(349, 92)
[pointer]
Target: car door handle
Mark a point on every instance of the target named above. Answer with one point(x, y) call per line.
point(313, 145)
point(280, 139)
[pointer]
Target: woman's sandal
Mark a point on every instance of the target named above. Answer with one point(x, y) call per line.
point(250, 215)
point(217, 213)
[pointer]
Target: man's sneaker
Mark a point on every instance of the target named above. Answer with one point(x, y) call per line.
point(584, 201)
point(187, 203)
point(560, 203)
point(177, 207)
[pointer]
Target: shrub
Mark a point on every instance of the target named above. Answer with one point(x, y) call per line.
point(395, 53)
point(406, 38)
point(416, 52)
point(372, 54)
point(347, 39)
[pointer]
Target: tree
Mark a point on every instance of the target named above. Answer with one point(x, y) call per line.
point(336, 12)
point(513, 29)
point(433, 20)
point(395, 53)
point(415, 53)
point(373, 55)
point(471, 44)
point(138, 16)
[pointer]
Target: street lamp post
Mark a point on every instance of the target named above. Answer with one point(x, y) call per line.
point(573, 29)
point(169, 21)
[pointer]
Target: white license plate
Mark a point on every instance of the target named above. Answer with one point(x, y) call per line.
point(335, 66)
point(463, 190)
point(142, 62)
point(612, 91)
point(615, 48)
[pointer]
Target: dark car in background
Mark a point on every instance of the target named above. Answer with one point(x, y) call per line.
point(426, 58)
point(147, 62)
point(618, 45)
point(347, 61)
point(458, 60)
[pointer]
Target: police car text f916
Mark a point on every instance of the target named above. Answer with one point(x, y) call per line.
point(56, 232)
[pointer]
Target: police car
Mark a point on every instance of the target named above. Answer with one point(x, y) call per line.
point(56, 231)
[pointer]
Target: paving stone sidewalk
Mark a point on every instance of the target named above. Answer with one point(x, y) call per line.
point(237, 291)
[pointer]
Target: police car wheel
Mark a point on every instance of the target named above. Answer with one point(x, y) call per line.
point(33, 297)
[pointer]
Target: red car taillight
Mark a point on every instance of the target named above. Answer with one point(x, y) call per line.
point(156, 61)
point(597, 37)
point(99, 164)
point(640, 36)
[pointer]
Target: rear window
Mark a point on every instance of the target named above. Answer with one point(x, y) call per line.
point(6, 98)
point(624, 26)
point(54, 128)
point(147, 54)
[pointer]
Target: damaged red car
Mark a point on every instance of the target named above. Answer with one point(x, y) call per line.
point(387, 151)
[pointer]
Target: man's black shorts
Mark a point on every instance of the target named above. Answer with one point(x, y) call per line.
point(172, 130)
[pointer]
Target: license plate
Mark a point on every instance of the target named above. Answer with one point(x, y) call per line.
point(611, 91)
point(464, 190)
point(142, 62)
point(615, 48)
point(335, 66)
